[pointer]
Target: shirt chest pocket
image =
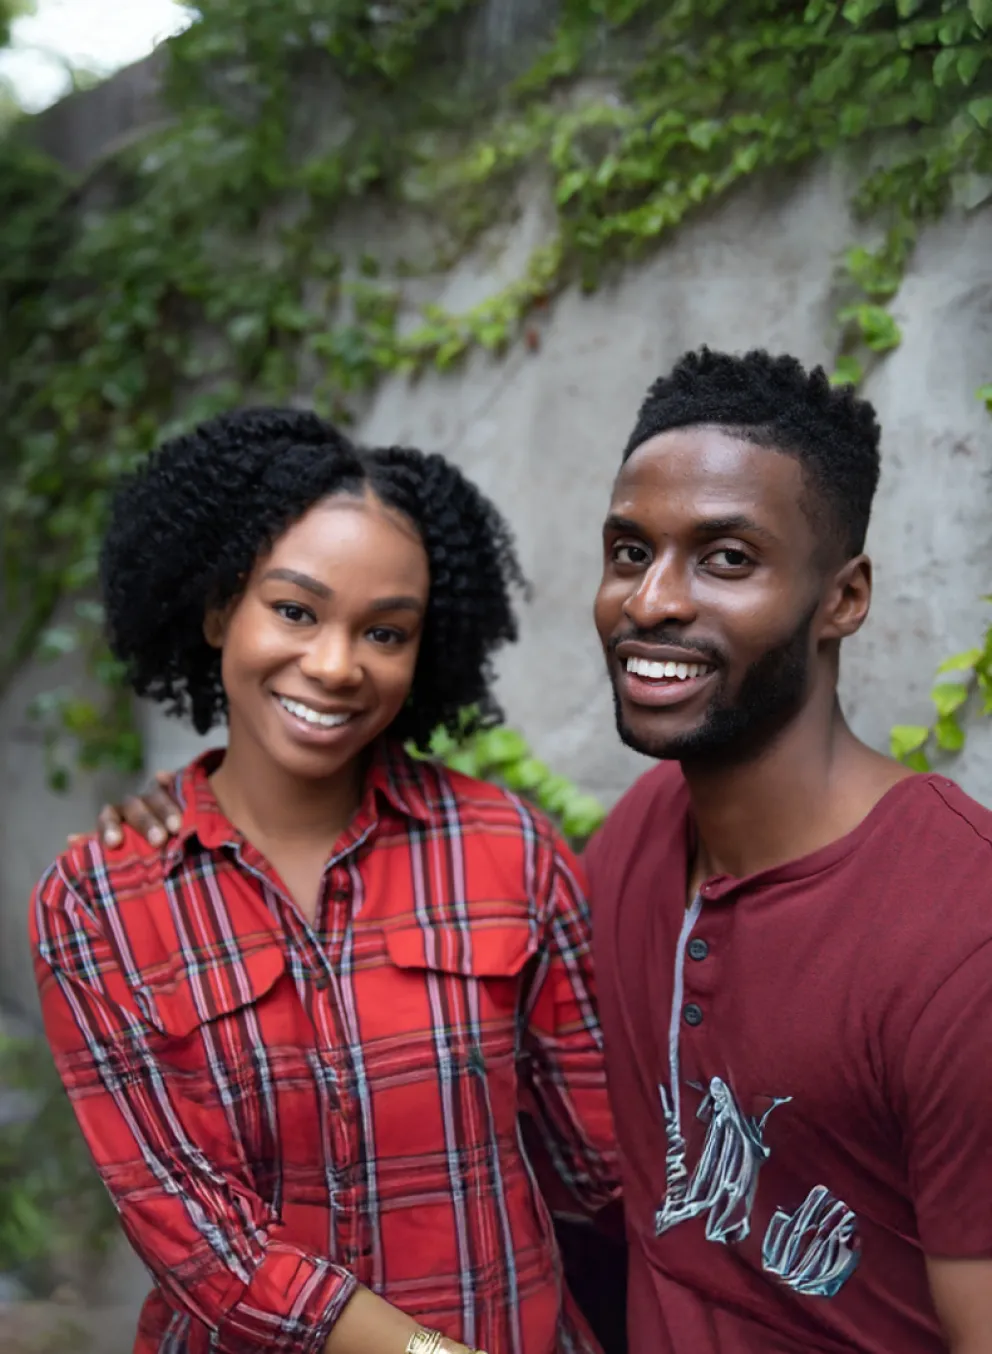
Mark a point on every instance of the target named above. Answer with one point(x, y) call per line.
point(448, 1010)
point(223, 1038)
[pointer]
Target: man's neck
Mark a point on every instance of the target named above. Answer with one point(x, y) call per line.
point(812, 786)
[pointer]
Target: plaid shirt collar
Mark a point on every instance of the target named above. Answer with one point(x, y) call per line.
point(392, 779)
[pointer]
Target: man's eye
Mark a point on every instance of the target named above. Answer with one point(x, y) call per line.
point(635, 555)
point(293, 612)
point(728, 558)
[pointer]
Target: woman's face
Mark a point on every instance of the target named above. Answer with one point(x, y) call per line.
point(318, 653)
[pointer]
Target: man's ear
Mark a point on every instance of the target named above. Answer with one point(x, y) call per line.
point(848, 600)
point(215, 626)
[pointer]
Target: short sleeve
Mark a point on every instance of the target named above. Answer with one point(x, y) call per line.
point(947, 1090)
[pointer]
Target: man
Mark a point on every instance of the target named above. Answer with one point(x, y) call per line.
point(794, 938)
point(793, 934)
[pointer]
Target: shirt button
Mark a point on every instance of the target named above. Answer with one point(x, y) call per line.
point(692, 1014)
point(698, 948)
point(340, 895)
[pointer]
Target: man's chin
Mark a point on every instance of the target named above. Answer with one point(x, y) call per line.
point(648, 742)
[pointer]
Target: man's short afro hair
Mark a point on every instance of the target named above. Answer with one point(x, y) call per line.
point(774, 402)
point(186, 529)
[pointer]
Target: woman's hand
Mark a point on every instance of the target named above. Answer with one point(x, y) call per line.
point(155, 814)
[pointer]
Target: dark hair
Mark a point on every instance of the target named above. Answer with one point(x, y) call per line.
point(774, 402)
point(187, 527)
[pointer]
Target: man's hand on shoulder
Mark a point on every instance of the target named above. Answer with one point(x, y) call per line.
point(962, 1295)
point(154, 814)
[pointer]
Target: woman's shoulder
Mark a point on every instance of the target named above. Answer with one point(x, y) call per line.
point(100, 877)
point(479, 805)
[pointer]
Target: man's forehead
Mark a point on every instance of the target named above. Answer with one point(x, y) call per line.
point(712, 473)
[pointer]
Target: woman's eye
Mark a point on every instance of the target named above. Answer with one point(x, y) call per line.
point(293, 612)
point(383, 634)
point(634, 555)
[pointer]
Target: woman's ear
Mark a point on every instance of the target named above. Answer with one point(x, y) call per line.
point(849, 600)
point(215, 626)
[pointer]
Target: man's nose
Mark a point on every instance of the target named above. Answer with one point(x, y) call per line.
point(663, 594)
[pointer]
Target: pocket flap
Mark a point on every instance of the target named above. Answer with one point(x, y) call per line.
point(182, 998)
point(497, 948)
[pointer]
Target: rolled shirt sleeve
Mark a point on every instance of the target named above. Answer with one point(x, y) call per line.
point(212, 1244)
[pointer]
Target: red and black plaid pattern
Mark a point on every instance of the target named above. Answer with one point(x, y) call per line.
point(281, 1111)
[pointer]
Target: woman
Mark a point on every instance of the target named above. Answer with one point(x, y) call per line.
point(297, 1038)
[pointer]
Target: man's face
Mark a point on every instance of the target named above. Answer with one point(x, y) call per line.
point(710, 596)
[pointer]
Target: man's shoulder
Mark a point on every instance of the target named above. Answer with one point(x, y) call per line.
point(958, 813)
point(657, 800)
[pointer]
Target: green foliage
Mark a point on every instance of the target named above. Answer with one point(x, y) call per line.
point(501, 754)
point(963, 679)
point(199, 268)
point(50, 1196)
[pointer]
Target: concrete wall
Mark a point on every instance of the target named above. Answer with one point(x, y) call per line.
point(541, 432)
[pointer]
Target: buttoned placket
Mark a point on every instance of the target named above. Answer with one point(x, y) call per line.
point(316, 954)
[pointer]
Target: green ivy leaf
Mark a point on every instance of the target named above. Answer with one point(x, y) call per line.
point(961, 662)
point(847, 372)
point(985, 393)
point(944, 64)
point(949, 734)
point(499, 747)
point(948, 697)
point(981, 13)
point(465, 761)
point(905, 739)
point(524, 775)
point(981, 111)
point(581, 817)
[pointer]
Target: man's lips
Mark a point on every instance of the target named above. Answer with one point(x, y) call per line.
point(661, 676)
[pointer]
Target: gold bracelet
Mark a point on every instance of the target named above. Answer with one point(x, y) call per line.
point(424, 1341)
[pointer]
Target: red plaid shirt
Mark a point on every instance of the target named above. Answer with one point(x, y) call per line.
point(282, 1110)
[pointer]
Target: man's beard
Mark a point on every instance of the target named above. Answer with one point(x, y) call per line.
point(735, 730)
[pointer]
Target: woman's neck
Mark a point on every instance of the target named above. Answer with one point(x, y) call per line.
point(268, 804)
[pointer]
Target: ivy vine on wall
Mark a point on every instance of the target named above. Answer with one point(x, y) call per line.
point(200, 268)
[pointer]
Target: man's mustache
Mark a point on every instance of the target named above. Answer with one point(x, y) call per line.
point(670, 640)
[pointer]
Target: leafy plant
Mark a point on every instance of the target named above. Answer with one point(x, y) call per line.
point(50, 1195)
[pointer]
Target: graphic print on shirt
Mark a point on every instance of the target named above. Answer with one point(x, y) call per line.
point(723, 1184)
point(813, 1250)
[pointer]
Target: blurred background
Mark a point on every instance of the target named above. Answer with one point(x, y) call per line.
point(482, 227)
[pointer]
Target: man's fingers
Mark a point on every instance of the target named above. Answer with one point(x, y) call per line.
point(108, 824)
point(172, 815)
point(165, 808)
point(137, 814)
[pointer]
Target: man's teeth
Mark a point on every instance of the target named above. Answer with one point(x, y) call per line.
point(313, 716)
point(642, 667)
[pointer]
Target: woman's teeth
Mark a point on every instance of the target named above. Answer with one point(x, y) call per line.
point(304, 712)
point(643, 667)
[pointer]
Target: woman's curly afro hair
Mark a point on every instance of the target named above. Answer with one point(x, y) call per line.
point(186, 529)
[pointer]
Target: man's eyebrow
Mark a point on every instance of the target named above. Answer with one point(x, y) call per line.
point(616, 523)
point(723, 526)
point(398, 604)
point(303, 581)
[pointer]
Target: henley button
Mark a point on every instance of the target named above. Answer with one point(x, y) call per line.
point(692, 1014)
point(698, 948)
